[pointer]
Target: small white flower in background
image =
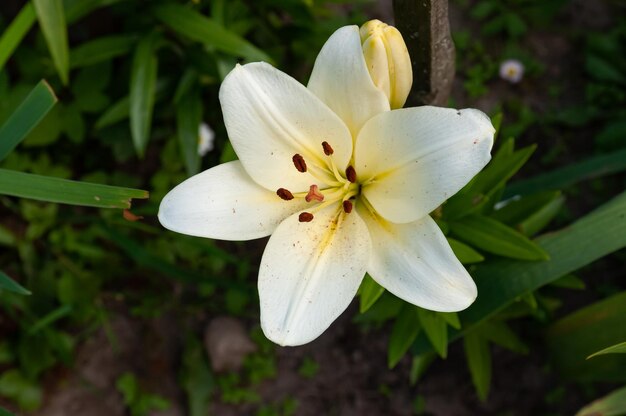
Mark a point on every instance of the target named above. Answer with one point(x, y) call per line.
point(512, 70)
point(342, 184)
point(206, 137)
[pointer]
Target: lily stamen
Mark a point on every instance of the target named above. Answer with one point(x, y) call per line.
point(284, 194)
point(299, 163)
point(305, 217)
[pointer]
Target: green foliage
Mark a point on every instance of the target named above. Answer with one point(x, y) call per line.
point(139, 402)
point(582, 333)
point(34, 107)
point(51, 16)
point(613, 404)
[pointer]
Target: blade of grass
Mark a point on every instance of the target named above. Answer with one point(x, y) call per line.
point(51, 18)
point(63, 191)
point(594, 167)
point(142, 93)
point(195, 26)
point(6, 283)
point(59, 313)
point(36, 105)
point(16, 31)
point(101, 49)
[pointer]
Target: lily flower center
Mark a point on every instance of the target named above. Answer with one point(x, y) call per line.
point(339, 188)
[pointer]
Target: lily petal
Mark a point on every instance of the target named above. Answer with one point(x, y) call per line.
point(340, 78)
point(270, 117)
point(224, 203)
point(309, 274)
point(415, 262)
point(416, 158)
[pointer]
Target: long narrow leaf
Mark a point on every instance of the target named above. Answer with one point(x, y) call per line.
point(613, 349)
point(6, 283)
point(142, 93)
point(493, 236)
point(613, 404)
point(558, 179)
point(188, 118)
point(51, 18)
point(574, 337)
point(16, 31)
point(101, 49)
point(63, 191)
point(36, 105)
point(202, 29)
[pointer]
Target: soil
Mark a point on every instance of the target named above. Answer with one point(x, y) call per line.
point(353, 377)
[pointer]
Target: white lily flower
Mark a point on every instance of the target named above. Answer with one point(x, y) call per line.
point(342, 184)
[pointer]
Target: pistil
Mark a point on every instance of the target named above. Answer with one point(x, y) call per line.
point(314, 194)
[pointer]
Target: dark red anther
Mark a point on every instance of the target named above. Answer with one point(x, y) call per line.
point(284, 194)
point(347, 206)
point(299, 162)
point(305, 217)
point(351, 174)
point(327, 149)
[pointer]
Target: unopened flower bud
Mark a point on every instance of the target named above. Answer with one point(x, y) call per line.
point(387, 60)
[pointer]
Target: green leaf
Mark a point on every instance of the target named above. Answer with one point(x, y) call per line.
point(6, 283)
point(501, 282)
point(51, 18)
point(16, 31)
point(451, 318)
point(541, 218)
point(482, 189)
point(436, 330)
point(582, 333)
point(613, 404)
point(479, 363)
point(59, 313)
point(517, 209)
point(116, 113)
point(404, 331)
point(142, 92)
point(197, 378)
point(613, 349)
point(7, 238)
point(493, 236)
point(499, 333)
point(34, 107)
point(188, 118)
point(594, 167)
point(369, 293)
point(419, 366)
point(195, 26)
point(77, 9)
point(465, 253)
point(100, 50)
point(5, 412)
point(569, 281)
point(63, 191)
